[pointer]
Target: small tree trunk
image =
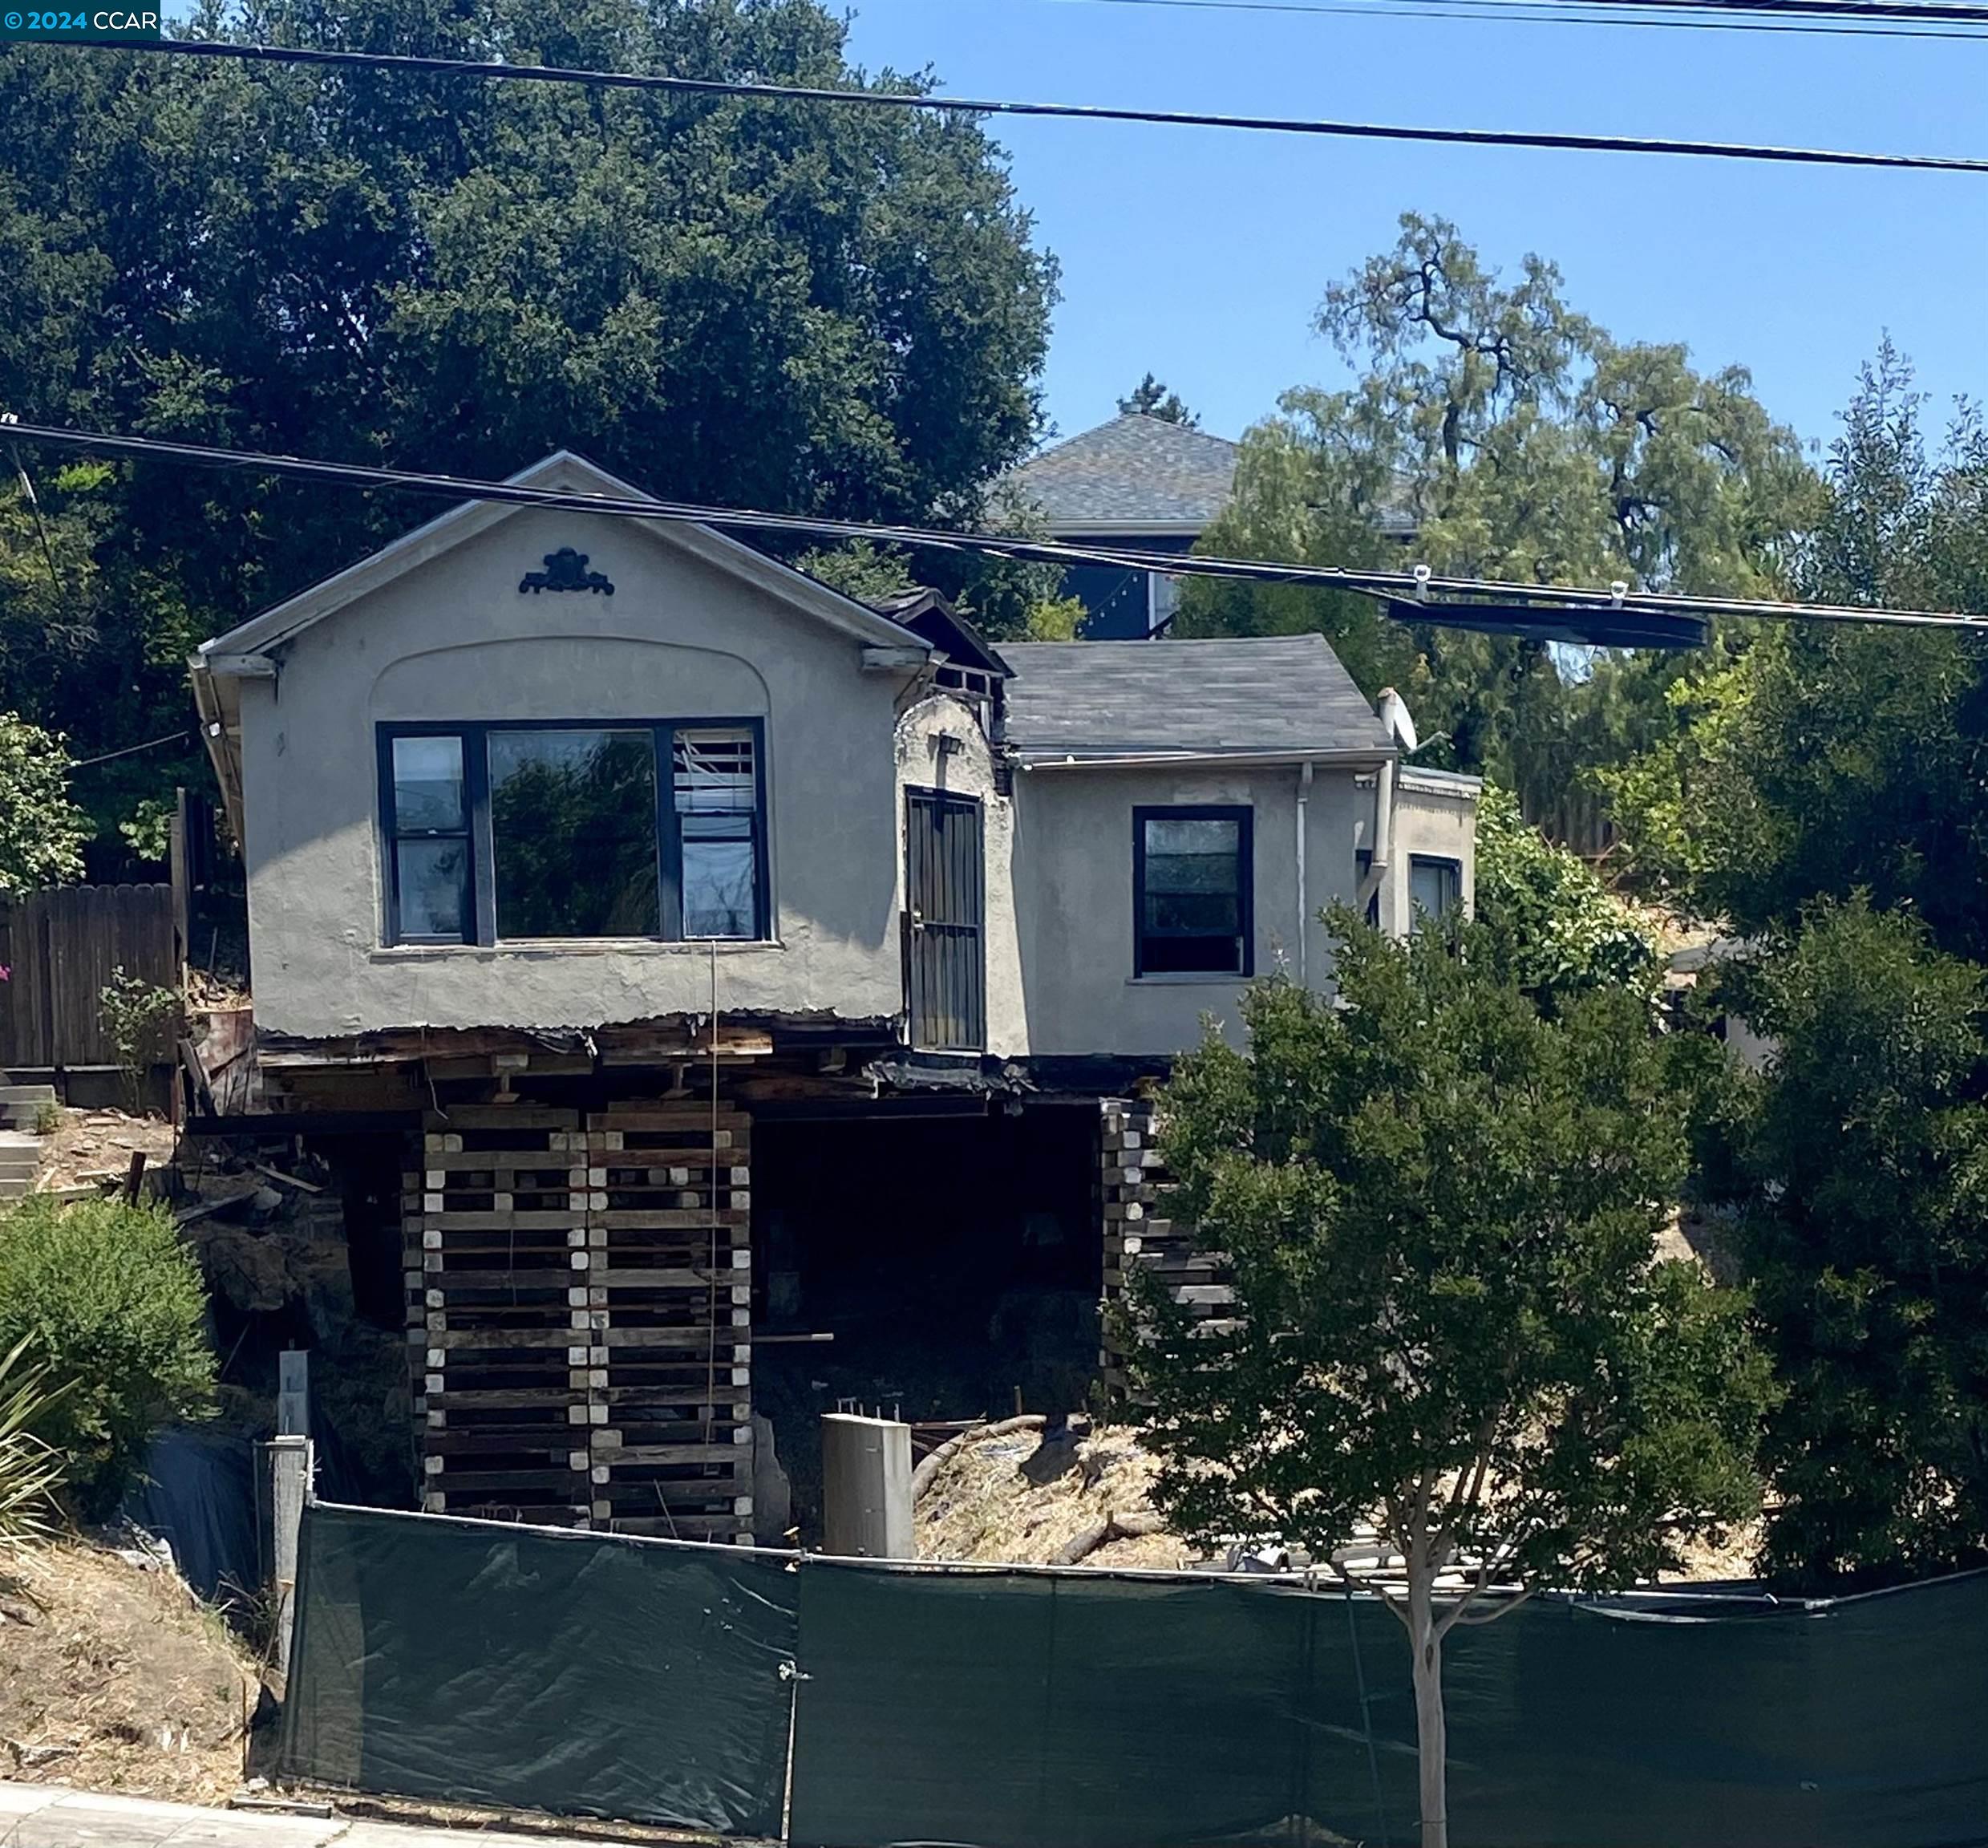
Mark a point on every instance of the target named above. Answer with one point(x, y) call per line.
point(1431, 1740)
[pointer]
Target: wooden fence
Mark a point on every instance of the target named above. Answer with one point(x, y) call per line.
point(60, 947)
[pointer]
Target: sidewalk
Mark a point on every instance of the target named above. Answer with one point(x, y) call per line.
point(50, 1816)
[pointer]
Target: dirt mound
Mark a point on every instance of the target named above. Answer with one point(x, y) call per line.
point(114, 1677)
point(1013, 1499)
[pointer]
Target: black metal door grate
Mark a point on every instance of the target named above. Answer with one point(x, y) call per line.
point(945, 895)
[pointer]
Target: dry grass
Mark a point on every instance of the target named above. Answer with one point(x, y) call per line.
point(114, 1677)
point(983, 1508)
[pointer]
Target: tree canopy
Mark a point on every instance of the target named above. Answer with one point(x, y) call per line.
point(1821, 794)
point(41, 831)
point(459, 275)
point(1862, 1159)
point(1441, 1208)
point(1150, 398)
point(1546, 917)
point(1512, 438)
point(1828, 760)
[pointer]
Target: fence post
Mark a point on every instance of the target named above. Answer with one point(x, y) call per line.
point(181, 879)
point(292, 1393)
point(866, 1487)
point(287, 1472)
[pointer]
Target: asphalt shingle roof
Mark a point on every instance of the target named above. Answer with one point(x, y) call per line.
point(1104, 700)
point(1134, 469)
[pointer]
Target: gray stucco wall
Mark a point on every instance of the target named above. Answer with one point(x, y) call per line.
point(969, 771)
point(455, 640)
point(1435, 816)
point(1074, 882)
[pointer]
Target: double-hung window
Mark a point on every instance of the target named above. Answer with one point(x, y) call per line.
point(1192, 876)
point(512, 833)
point(428, 830)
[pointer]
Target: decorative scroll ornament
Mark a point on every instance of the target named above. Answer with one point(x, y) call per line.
point(566, 569)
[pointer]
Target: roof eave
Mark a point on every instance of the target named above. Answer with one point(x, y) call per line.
point(1180, 526)
point(1333, 757)
point(275, 626)
point(221, 739)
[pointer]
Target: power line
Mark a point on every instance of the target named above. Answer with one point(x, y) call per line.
point(1395, 588)
point(1668, 15)
point(1072, 112)
point(1930, 12)
point(130, 750)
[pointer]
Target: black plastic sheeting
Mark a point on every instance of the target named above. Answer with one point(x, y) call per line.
point(649, 1680)
point(198, 1495)
point(1015, 1710)
point(526, 1668)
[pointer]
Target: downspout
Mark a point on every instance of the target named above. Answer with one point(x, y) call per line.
point(1383, 830)
point(1304, 791)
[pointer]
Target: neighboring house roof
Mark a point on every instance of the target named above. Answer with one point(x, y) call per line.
point(1284, 696)
point(1132, 475)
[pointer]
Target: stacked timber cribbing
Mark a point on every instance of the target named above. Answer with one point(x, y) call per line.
point(1140, 1233)
point(579, 1310)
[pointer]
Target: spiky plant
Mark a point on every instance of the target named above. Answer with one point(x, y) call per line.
point(30, 1471)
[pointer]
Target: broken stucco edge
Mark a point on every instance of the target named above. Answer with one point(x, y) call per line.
point(676, 1035)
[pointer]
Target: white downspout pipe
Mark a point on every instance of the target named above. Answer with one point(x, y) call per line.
point(1383, 833)
point(1304, 906)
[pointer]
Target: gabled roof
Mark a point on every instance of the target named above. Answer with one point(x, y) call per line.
point(567, 473)
point(932, 618)
point(218, 667)
point(1134, 474)
point(1282, 696)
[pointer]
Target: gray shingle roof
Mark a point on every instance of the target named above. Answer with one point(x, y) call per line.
point(1134, 469)
point(1264, 694)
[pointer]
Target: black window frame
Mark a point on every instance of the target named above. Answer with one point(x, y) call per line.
point(1244, 817)
point(476, 800)
point(1450, 864)
point(474, 735)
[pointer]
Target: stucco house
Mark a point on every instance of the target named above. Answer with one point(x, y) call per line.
point(732, 979)
point(1137, 480)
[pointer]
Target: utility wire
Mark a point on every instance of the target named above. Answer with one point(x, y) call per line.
point(1667, 15)
point(130, 750)
point(1073, 112)
point(1908, 18)
point(1393, 587)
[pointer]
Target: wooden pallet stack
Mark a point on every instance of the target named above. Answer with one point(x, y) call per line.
point(1141, 1234)
point(580, 1308)
point(670, 1206)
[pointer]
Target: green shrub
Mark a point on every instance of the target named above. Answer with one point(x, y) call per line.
point(136, 1015)
point(1553, 926)
point(111, 1304)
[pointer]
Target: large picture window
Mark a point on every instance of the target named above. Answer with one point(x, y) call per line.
point(512, 833)
point(1192, 878)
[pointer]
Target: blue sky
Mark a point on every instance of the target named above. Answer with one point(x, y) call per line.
point(1202, 254)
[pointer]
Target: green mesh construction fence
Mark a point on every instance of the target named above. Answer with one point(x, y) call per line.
point(533, 1668)
point(1034, 1709)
